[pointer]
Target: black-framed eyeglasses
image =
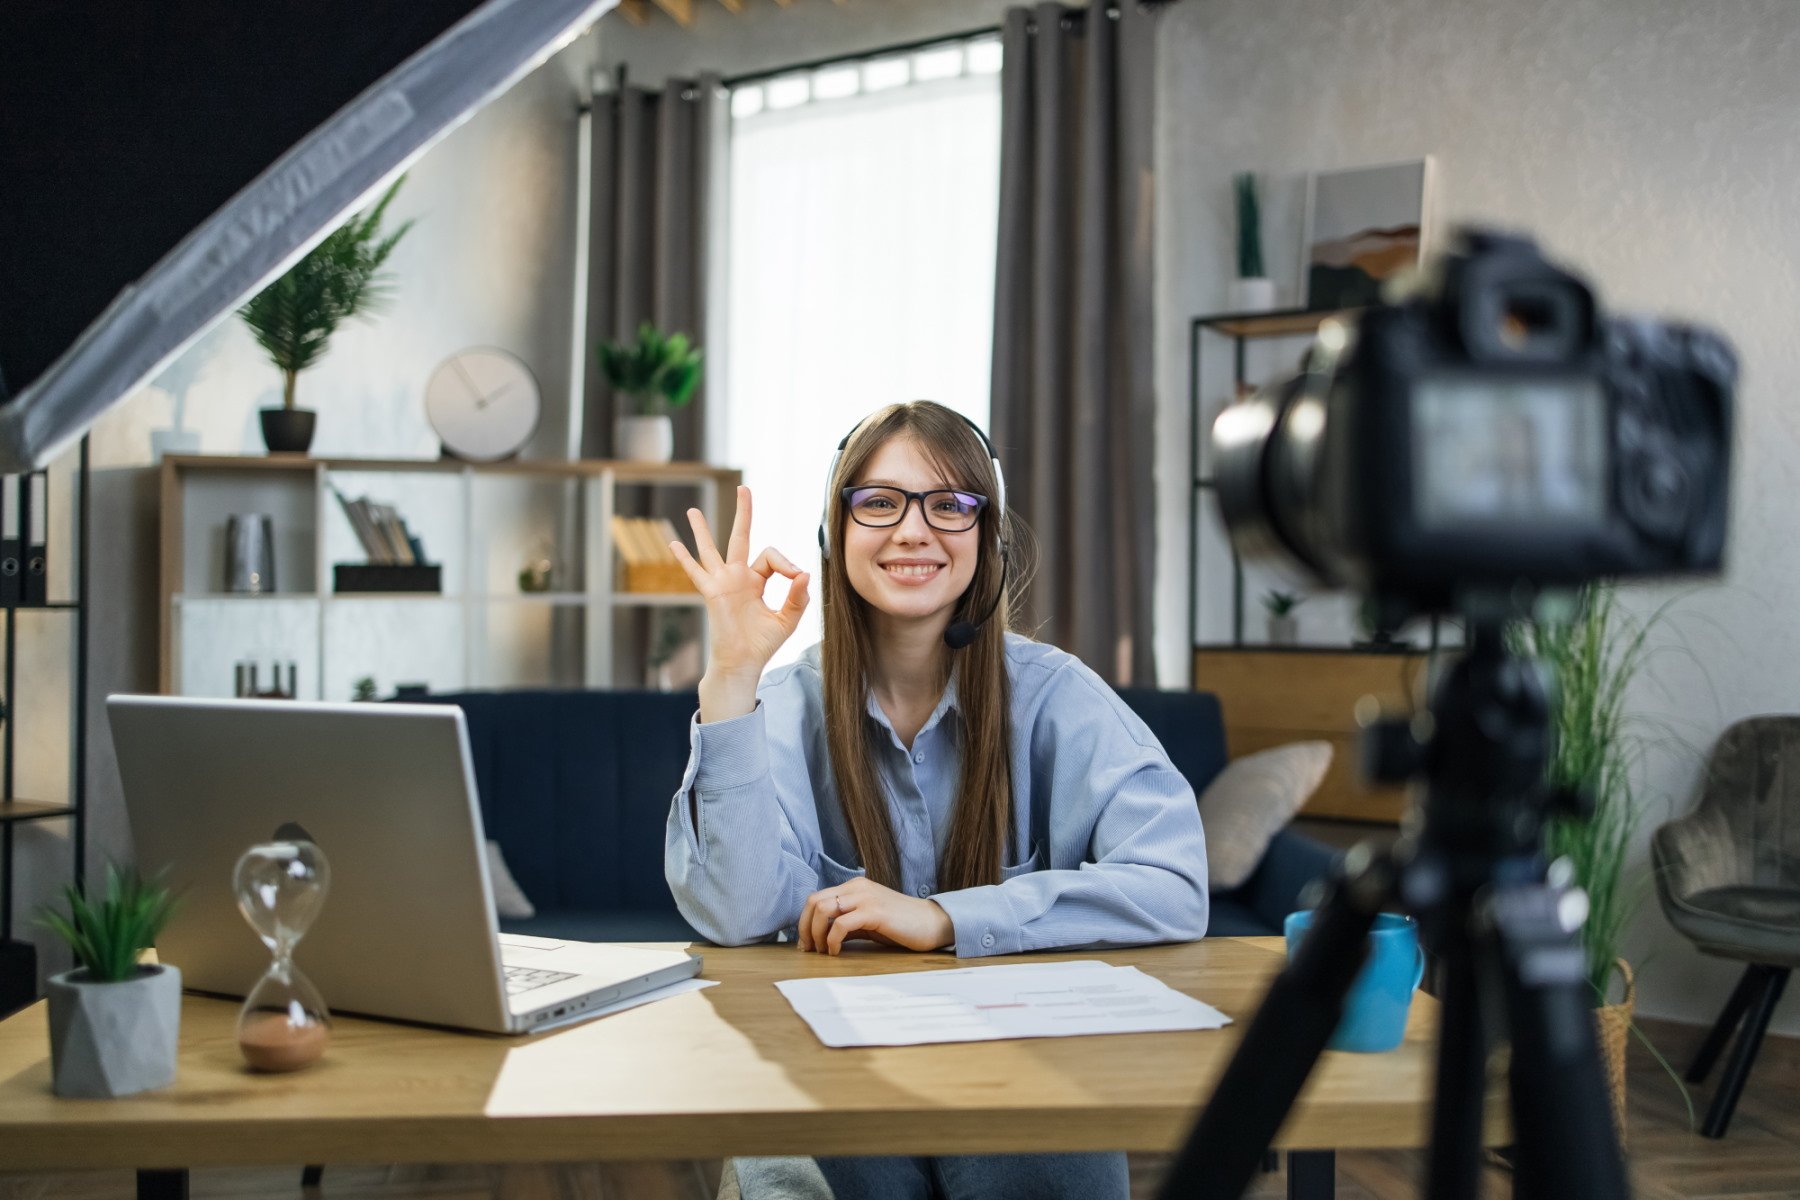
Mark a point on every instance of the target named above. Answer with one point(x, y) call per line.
point(945, 510)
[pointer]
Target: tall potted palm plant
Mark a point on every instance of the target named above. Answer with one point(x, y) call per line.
point(1593, 656)
point(293, 318)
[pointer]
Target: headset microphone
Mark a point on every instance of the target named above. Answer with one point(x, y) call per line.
point(960, 633)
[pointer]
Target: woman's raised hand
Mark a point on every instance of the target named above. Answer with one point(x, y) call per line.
point(746, 632)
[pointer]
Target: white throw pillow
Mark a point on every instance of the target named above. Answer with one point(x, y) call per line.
point(1251, 801)
point(510, 900)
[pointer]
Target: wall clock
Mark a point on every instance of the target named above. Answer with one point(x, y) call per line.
point(483, 403)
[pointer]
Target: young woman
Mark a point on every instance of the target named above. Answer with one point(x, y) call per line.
point(921, 778)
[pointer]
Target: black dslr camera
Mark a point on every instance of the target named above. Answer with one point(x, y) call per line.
point(1487, 436)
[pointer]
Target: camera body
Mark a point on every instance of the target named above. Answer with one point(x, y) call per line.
point(1488, 436)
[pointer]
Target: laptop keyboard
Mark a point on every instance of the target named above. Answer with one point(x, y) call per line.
point(525, 979)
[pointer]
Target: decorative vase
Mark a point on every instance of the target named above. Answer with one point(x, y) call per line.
point(113, 1039)
point(1256, 294)
point(1284, 630)
point(288, 430)
point(1613, 1024)
point(645, 439)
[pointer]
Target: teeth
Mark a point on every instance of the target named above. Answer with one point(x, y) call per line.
point(917, 572)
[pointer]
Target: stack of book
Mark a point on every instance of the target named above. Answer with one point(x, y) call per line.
point(396, 557)
point(648, 563)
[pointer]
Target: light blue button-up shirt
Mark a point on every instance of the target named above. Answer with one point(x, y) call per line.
point(1106, 847)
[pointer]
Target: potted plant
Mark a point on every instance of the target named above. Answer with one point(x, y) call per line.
point(293, 318)
point(1592, 656)
point(1252, 290)
point(658, 373)
point(113, 1021)
point(1284, 626)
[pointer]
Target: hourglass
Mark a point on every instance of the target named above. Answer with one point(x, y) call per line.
point(280, 887)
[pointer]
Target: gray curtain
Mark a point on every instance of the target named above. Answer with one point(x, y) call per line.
point(1074, 403)
point(647, 236)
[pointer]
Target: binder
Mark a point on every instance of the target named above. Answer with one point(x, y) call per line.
point(11, 550)
point(37, 527)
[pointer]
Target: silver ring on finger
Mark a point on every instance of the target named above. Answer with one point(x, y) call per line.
point(840, 902)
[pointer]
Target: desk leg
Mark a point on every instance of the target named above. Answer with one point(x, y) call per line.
point(163, 1185)
point(1312, 1174)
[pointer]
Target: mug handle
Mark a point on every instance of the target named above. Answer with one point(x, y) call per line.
point(1418, 967)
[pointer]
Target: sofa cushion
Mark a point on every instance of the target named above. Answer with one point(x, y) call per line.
point(1231, 917)
point(1251, 801)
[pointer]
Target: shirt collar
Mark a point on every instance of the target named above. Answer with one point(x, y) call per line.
point(946, 703)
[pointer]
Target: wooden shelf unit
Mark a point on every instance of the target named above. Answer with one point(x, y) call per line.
point(479, 520)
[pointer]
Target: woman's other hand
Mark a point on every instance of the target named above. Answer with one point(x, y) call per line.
point(746, 632)
point(862, 909)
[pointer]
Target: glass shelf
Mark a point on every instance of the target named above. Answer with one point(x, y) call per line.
point(1286, 322)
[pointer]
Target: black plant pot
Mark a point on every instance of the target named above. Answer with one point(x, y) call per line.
point(288, 430)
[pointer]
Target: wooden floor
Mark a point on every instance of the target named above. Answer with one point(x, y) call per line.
point(1759, 1160)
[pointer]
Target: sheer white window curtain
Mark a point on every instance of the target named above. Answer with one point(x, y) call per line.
point(860, 268)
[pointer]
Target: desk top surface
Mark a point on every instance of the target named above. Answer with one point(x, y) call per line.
point(722, 1071)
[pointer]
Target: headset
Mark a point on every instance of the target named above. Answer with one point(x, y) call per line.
point(958, 633)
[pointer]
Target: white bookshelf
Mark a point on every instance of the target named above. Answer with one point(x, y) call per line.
point(480, 522)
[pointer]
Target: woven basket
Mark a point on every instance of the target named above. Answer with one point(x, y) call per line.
point(1614, 1026)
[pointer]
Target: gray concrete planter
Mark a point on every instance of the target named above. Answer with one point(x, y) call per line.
point(113, 1039)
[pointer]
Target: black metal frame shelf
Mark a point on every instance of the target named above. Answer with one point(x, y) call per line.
point(15, 811)
point(1241, 328)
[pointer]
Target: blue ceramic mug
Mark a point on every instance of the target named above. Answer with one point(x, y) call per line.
point(1376, 1006)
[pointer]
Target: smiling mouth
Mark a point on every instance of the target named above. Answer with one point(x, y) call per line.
point(912, 572)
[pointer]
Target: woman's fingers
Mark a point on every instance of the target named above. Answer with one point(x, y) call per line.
point(795, 603)
point(824, 912)
point(847, 925)
point(707, 550)
point(738, 548)
point(772, 561)
point(694, 570)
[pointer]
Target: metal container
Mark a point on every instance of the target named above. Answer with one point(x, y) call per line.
point(250, 553)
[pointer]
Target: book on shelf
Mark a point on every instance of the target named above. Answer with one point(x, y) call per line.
point(649, 564)
point(385, 539)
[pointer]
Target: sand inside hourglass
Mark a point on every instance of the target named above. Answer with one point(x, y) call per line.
point(271, 1042)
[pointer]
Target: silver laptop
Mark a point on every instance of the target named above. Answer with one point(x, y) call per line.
point(387, 791)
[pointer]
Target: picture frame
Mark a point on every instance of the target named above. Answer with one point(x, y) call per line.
point(1362, 226)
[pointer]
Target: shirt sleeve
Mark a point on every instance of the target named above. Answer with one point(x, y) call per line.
point(737, 851)
point(1122, 818)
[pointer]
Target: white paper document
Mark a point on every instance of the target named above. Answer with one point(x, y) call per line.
point(980, 1004)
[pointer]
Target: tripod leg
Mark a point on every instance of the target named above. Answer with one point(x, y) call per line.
point(1453, 1169)
point(1297, 1017)
point(1562, 1116)
point(1747, 987)
point(1737, 1071)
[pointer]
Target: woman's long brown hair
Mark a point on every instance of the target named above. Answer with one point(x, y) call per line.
point(983, 812)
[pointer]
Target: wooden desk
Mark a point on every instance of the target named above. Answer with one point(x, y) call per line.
point(729, 1070)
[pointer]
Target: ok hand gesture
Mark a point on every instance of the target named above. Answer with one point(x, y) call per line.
point(746, 632)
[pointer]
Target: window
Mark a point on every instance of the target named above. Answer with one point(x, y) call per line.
point(860, 268)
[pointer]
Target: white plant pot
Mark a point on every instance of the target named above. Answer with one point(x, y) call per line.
point(1284, 631)
point(1256, 294)
point(113, 1039)
point(645, 439)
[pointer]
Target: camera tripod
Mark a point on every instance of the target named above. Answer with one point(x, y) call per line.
point(1502, 932)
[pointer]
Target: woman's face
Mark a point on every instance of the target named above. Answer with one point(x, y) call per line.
point(910, 570)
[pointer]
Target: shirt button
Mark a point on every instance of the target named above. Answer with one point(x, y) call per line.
point(987, 939)
point(919, 757)
point(924, 891)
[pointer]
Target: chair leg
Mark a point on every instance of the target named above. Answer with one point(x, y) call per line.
point(1743, 1055)
point(1748, 985)
point(311, 1176)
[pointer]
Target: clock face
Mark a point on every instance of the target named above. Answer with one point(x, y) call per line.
point(483, 403)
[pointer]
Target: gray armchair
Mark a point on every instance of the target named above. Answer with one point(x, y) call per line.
point(1728, 876)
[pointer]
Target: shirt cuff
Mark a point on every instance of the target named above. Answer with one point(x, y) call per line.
point(983, 921)
point(729, 754)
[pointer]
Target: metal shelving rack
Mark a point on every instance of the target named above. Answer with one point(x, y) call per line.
point(15, 810)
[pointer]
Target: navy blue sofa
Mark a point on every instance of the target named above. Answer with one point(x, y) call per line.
point(575, 786)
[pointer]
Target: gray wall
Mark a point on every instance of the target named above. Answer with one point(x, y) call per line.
point(1652, 144)
point(490, 262)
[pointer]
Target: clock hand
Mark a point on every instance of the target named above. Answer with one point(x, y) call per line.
point(467, 382)
point(488, 399)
